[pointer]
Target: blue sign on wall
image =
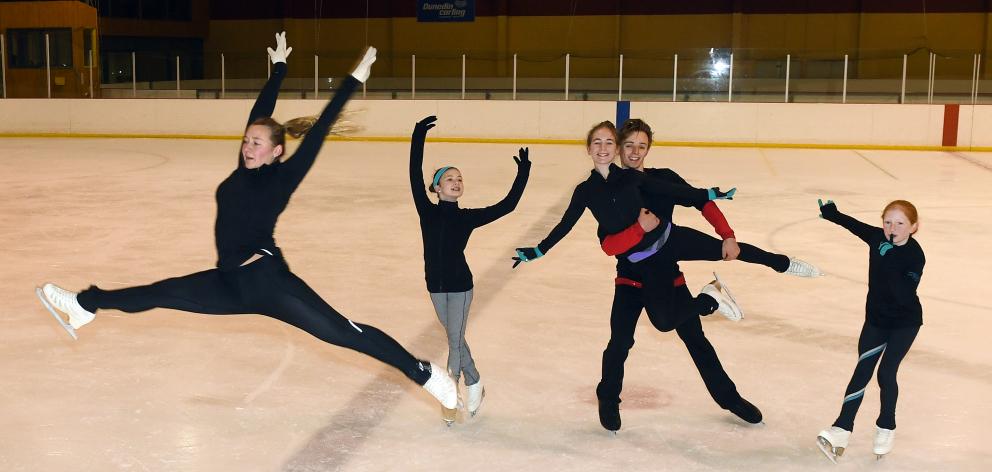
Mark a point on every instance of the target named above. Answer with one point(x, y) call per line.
point(445, 10)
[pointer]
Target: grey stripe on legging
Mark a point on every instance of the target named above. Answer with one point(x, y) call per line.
point(452, 310)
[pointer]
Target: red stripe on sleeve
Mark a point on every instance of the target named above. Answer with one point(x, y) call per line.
point(715, 217)
point(621, 242)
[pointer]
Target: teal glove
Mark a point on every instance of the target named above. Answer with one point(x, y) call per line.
point(828, 209)
point(526, 254)
point(714, 193)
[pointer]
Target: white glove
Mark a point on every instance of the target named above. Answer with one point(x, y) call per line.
point(364, 67)
point(281, 52)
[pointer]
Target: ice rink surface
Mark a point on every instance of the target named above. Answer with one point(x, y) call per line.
point(166, 390)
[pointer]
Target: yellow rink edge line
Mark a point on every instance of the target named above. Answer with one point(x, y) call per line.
point(401, 139)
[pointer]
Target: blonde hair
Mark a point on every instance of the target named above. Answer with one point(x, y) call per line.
point(299, 127)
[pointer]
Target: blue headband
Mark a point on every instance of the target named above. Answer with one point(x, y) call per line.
point(438, 174)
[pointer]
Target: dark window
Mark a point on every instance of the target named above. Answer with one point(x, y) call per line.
point(119, 8)
point(176, 10)
point(155, 10)
point(26, 48)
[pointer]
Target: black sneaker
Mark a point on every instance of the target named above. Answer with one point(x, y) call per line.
point(746, 411)
point(609, 415)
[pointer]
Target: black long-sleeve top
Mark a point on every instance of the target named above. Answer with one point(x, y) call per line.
point(249, 201)
point(446, 227)
point(662, 205)
point(892, 278)
point(616, 202)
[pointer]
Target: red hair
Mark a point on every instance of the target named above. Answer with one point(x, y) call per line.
point(904, 206)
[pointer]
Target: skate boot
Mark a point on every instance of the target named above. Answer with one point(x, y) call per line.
point(746, 411)
point(609, 415)
point(801, 268)
point(475, 393)
point(727, 304)
point(58, 300)
point(440, 385)
point(884, 440)
point(832, 442)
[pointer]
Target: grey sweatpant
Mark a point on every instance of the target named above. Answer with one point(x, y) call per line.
point(452, 310)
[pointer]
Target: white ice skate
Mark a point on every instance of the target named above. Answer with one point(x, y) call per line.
point(443, 389)
point(832, 442)
point(475, 393)
point(801, 268)
point(727, 303)
point(884, 440)
point(58, 300)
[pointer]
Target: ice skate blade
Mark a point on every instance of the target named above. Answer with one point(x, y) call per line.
point(828, 450)
point(879, 457)
point(44, 301)
point(449, 415)
point(726, 290)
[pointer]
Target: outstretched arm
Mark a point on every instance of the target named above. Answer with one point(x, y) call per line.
point(864, 231)
point(420, 199)
point(297, 167)
point(683, 193)
point(483, 216)
point(576, 207)
point(265, 103)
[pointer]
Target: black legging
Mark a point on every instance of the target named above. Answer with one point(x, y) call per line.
point(265, 287)
point(891, 345)
point(668, 312)
point(627, 306)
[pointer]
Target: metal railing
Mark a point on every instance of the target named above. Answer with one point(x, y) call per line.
point(688, 75)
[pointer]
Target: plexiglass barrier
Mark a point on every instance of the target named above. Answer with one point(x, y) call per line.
point(694, 75)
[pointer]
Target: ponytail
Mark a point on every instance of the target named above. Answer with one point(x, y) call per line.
point(298, 127)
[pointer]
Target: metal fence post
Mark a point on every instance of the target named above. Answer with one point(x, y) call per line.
point(675, 76)
point(178, 90)
point(3, 65)
point(902, 95)
point(730, 83)
point(568, 58)
point(788, 66)
point(48, 66)
point(843, 97)
point(91, 73)
point(514, 76)
point(620, 84)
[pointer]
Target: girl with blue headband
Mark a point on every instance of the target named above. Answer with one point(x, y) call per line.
point(446, 229)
